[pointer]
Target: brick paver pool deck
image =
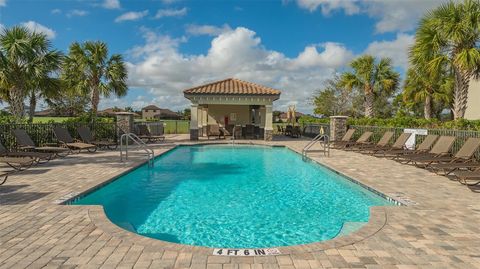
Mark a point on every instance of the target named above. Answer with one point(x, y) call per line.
point(439, 228)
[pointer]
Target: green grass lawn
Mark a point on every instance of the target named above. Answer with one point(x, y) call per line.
point(49, 119)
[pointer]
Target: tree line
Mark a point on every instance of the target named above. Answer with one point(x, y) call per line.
point(30, 69)
point(444, 58)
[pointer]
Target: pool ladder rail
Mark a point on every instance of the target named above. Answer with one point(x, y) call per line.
point(323, 139)
point(124, 141)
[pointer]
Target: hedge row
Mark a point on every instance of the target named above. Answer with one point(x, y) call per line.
point(404, 122)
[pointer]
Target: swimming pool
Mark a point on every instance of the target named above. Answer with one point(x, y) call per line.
point(235, 197)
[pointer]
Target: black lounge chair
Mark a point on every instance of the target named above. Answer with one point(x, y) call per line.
point(66, 140)
point(24, 142)
point(144, 133)
point(87, 137)
point(37, 156)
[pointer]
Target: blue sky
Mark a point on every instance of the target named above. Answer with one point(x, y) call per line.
point(170, 45)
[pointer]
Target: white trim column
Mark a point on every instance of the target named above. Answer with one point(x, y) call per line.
point(204, 120)
point(194, 122)
point(268, 123)
point(199, 120)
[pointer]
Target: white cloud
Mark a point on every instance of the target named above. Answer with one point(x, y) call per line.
point(37, 27)
point(171, 13)
point(396, 49)
point(131, 16)
point(77, 13)
point(111, 4)
point(3, 3)
point(398, 15)
point(56, 11)
point(164, 71)
point(326, 6)
point(391, 15)
point(211, 30)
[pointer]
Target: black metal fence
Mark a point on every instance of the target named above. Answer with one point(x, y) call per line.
point(313, 129)
point(42, 133)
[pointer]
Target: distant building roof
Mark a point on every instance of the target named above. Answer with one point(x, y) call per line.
point(151, 107)
point(113, 111)
point(167, 113)
point(44, 113)
point(232, 86)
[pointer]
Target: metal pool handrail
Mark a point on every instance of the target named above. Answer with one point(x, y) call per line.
point(149, 152)
point(319, 138)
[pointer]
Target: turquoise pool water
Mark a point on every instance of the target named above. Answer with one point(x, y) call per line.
point(234, 197)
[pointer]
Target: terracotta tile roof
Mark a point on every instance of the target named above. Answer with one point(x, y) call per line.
point(232, 86)
point(151, 107)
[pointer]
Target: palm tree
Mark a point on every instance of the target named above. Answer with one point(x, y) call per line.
point(88, 69)
point(421, 86)
point(26, 62)
point(372, 78)
point(449, 36)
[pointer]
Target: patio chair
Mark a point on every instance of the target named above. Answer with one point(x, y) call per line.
point(144, 133)
point(296, 132)
point(87, 137)
point(381, 144)
point(213, 130)
point(469, 178)
point(363, 139)
point(17, 163)
point(397, 145)
point(250, 131)
point(347, 137)
point(24, 142)
point(37, 156)
point(279, 129)
point(424, 147)
point(464, 155)
point(288, 130)
point(64, 137)
point(441, 148)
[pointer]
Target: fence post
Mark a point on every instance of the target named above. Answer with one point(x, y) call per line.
point(176, 126)
point(338, 127)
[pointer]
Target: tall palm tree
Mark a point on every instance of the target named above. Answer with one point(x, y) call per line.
point(89, 70)
point(449, 35)
point(421, 86)
point(26, 60)
point(372, 78)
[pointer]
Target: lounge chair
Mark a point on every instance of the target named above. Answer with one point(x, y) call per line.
point(213, 130)
point(381, 144)
point(17, 163)
point(441, 148)
point(469, 178)
point(64, 137)
point(87, 137)
point(347, 137)
point(144, 133)
point(24, 142)
point(362, 140)
point(37, 156)
point(399, 144)
point(424, 147)
point(250, 131)
point(448, 164)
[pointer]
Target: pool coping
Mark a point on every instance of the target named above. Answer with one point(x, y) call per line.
point(377, 220)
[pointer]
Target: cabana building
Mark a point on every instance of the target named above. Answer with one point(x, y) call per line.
point(232, 103)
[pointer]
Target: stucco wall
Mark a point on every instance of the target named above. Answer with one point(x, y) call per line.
point(473, 105)
point(217, 113)
point(149, 114)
